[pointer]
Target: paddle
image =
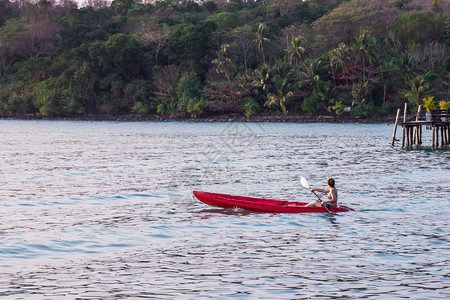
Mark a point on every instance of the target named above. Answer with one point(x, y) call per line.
point(306, 185)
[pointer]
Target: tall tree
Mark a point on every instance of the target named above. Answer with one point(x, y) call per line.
point(40, 39)
point(153, 35)
point(261, 41)
point(418, 89)
point(364, 47)
point(296, 53)
point(223, 62)
point(244, 38)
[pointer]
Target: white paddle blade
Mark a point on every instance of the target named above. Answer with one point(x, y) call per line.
point(304, 183)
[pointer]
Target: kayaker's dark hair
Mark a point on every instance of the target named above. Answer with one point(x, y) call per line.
point(331, 182)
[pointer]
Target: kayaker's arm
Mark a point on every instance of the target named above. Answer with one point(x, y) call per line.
point(325, 191)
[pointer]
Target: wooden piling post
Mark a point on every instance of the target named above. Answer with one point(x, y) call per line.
point(433, 136)
point(411, 135)
point(443, 136)
point(395, 127)
point(404, 126)
point(416, 128)
point(437, 136)
point(420, 135)
point(447, 128)
point(448, 134)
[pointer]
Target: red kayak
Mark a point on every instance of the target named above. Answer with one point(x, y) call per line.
point(262, 205)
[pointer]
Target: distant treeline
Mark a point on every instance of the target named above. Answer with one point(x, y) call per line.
point(192, 58)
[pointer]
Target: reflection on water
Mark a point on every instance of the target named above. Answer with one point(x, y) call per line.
point(104, 210)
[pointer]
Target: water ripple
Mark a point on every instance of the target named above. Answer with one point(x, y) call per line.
point(103, 210)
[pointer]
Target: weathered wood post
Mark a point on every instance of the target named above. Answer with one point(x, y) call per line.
point(416, 128)
point(420, 135)
point(411, 135)
point(406, 136)
point(395, 127)
point(437, 136)
point(404, 127)
point(445, 135)
point(433, 136)
point(448, 134)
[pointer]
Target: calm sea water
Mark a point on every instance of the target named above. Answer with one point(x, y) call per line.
point(103, 210)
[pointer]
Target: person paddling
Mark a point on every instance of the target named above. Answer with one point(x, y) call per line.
point(332, 196)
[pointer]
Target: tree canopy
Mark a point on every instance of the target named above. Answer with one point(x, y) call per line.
point(188, 58)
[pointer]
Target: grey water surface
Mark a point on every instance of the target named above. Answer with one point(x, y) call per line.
point(104, 210)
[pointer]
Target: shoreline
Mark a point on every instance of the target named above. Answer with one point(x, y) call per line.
point(218, 118)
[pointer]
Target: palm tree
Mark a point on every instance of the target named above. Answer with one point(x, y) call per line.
point(418, 89)
point(261, 40)
point(405, 67)
point(365, 50)
point(310, 74)
point(285, 83)
point(340, 56)
point(338, 63)
point(280, 98)
point(295, 52)
point(384, 79)
point(262, 81)
point(223, 62)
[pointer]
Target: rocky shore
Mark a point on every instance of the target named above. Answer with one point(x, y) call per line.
point(304, 118)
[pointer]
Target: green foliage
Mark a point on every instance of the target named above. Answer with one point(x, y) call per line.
point(52, 99)
point(189, 92)
point(418, 89)
point(140, 108)
point(359, 92)
point(430, 76)
point(251, 107)
point(312, 103)
point(157, 57)
point(121, 51)
point(6, 11)
point(121, 7)
point(226, 20)
point(82, 25)
point(161, 109)
point(363, 109)
point(296, 54)
point(196, 108)
point(188, 41)
point(414, 28)
point(339, 108)
point(429, 103)
point(210, 6)
point(15, 98)
point(447, 31)
point(444, 104)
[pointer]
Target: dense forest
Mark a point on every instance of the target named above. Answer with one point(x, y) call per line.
point(216, 57)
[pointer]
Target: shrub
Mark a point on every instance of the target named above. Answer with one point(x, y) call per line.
point(160, 109)
point(363, 109)
point(444, 104)
point(196, 108)
point(339, 108)
point(311, 104)
point(429, 103)
point(251, 107)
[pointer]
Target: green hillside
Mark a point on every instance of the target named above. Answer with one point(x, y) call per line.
point(206, 58)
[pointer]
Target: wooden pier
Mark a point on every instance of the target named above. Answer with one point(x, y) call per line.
point(438, 120)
